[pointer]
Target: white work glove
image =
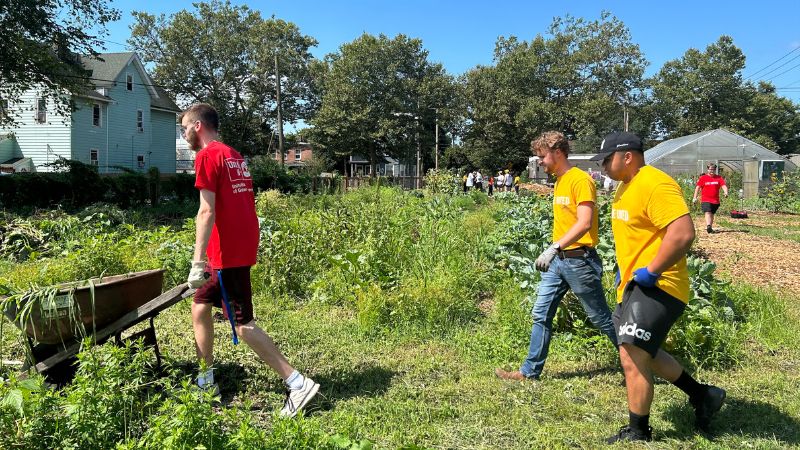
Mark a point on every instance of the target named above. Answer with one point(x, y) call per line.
point(197, 276)
point(544, 260)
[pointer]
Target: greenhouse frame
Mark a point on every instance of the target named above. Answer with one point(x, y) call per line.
point(689, 155)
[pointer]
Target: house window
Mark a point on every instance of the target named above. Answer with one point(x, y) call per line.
point(140, 161)
point(129, 82)
point(41, 110)
point(298, 154)
point(139, 121)
point(96, 120)
point(93, 157)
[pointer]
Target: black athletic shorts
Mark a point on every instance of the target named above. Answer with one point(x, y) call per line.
point(237, 286)
point(645, 316)
point(709, 207)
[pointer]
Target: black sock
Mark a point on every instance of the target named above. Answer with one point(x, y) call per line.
point(639, 424)
point(690, 386)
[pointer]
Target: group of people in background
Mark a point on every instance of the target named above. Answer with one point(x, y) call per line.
point(503, 181)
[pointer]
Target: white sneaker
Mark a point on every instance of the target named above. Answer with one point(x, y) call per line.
point(296, 399)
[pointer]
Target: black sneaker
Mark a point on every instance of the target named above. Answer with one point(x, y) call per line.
point(705, 408)
point(709, 229)
point(627, 434)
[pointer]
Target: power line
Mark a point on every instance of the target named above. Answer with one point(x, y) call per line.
point(113, 81)
point(776, 68)
point(784, 72)
point(773, 62)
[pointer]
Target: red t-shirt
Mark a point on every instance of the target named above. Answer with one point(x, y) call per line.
point(234, 238)
point(709, 188)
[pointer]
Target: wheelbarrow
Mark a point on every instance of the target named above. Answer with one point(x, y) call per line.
point(101, 308)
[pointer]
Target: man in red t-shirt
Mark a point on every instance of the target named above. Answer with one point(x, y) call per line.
point(709, 184)
point(227, 234)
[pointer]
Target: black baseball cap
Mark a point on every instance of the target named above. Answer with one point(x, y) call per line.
point(620, 141)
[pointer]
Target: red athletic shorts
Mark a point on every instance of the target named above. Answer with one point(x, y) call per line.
point(237, 285)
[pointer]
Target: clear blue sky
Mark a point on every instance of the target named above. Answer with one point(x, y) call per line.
point(462, 34)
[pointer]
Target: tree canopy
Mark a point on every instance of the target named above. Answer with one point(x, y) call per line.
point(705, 90)
point(378, 98)
point(40, 41)
point(224, 55)
point(576, 80)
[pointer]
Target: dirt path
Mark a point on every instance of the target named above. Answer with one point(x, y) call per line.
point(756, 260)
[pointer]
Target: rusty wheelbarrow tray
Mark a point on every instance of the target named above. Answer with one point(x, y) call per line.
point(92, 304)
point(124, 305)
point(147, 311)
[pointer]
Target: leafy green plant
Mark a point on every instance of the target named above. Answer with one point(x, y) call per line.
point(784, 192)
point(709, 333)
point(442, 181)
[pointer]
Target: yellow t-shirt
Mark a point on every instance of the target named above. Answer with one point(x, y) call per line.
point(572, 189)
point(640, 213)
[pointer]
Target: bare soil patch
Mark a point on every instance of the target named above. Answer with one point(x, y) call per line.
point(757, 260)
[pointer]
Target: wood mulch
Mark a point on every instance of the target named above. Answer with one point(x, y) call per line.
point(537, 188)
point(757, 260)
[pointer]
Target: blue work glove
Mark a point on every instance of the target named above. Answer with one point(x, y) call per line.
point(644, 277)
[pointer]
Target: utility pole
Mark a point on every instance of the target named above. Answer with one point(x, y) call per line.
point(419, 169)
point(418, 154)
point(278, 101)
point(436, 147)
point(625, 116)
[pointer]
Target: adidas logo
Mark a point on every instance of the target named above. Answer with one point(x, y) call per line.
point(635, 331)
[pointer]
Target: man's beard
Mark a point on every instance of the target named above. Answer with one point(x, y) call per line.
point(194, 141)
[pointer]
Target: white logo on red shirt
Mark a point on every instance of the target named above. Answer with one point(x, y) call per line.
point(237, 169)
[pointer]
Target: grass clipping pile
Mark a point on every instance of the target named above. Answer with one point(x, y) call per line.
point(757, 260)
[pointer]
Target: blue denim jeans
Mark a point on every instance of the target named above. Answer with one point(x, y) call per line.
point(582, 275)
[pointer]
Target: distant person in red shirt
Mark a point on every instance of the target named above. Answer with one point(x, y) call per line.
point(709, 184)
point(226, 246)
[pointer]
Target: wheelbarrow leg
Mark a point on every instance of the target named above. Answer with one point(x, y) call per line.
point(155, 342)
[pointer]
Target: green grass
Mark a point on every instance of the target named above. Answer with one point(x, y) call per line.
point(426, 378)
point(440, 392)
point(776, 226)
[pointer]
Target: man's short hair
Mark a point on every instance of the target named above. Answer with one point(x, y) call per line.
point(551, 141)
point(711, 166)
point(204, 113)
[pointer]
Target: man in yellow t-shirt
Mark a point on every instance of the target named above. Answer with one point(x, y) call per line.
point(571, 262)
point(652, 234)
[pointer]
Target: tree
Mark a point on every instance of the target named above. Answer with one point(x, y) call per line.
point(701, 90)
point(225, 55)
point(578, 81)
point(706, 90)
point(378, 99)
point(772, 121)
point(39, 46)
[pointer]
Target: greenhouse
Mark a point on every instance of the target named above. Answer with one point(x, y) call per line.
point(731, 152)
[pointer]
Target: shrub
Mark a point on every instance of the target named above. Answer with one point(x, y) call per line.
point(443, 181)
point(179, 186)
